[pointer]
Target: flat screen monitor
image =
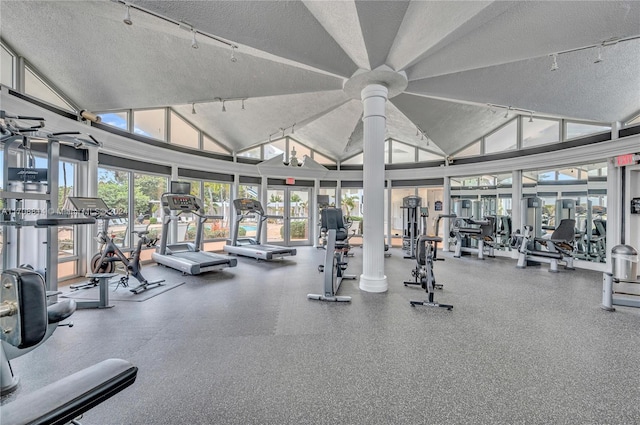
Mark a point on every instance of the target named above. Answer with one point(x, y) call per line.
point(180, 188)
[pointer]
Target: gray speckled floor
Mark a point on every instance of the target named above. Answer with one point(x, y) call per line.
point(245, 346)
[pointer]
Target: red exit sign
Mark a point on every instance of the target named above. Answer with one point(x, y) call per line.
point(628, 159)
point(290, 180)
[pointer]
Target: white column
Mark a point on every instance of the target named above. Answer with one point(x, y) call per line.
point(314, 213)
point(446, 209)
point(615, 211)
point(89, 174)
point(374, 98)
point(516, 204)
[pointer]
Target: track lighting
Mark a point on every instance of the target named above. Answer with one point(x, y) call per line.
point(233, 56)
point(127, 17)
point(194, 42)
point(531, 117)
point(554, 65)
point(508, 109)
point(243, 104)
point(293, 130)
point(417, 132)
point(506, 114)
point(193, 108)
point(223, 107)
point(599, 58)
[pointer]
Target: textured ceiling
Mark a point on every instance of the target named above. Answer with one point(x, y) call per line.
point(294, 57)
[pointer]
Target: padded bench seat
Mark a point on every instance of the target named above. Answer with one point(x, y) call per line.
point(60, 402)
point(546, 254)
point(470, 230)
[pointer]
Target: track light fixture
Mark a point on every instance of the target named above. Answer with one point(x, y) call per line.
point(282, 131)
point(233, 56)
point(127, 16)
point(508, 109)
point(554, 65)
point(243, 104)
point(194, 42)
point(599, 57)
point(193, 108)
point(223, 107)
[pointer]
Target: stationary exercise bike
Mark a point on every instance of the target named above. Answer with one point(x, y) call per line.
point(427, 249)
point(105, 260)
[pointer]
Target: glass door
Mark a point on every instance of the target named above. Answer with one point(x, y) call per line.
point(288, 216)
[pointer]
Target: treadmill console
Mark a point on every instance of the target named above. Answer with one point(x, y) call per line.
point(182, 203)
point(247, 205)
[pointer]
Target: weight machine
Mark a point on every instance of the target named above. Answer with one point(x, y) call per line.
point(413, 223)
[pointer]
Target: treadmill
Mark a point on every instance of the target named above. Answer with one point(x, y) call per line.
point(251, 247)
point(186, 256)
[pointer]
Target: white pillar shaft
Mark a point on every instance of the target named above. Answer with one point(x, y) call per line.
point(374, 98)
point(516, 205)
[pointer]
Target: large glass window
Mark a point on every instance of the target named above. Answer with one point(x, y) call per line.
point(401, 152)
point(428, 156)
point(36, 87)
point(251, 153)
point(539, 132)
point(147, 210)
point(217, 203)
point(471, 150)
point(6, 67)
point(113, 188)
point(116, 119)
point(502, 140)
point(354, 160)
point(183, 133)
point(321, 159)
point(576, 129)
point(208, 144)
point(150, 123)
point(250, 191)
point(276, 148)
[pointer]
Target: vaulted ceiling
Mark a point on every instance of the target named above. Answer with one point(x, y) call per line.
point(293, 58)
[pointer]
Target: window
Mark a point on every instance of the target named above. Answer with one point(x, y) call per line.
point(251, 153)
point(321, 159)
point(575, 129)
point(276, 148)
point(116, 119)
point(147, 209)
point(354, 160)
point(429, 156)
point(217, 203)
point(113, 188)
point(208, 144)
point(183, 133)
point(471, 150)
point(634, 121)
point(6, 67)
point(150, 123)
point(401, 152)
point(331, 192)
point(502, 140)
point(301, 150)
point(248, 191)
point(35, 86)
point(539, 132)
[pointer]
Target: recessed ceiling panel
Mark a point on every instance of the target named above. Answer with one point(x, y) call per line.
point(283, 28)
point(451, 126)
point(380, 21)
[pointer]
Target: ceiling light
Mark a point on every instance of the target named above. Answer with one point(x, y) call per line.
point(599, 58)
point(243, 104)
point(554, 65)
point(506, 114)
point(194, 42)
point(127, 17)
point(193, 108)
point(293, 130)
point(531, 117)
point(233, 56)
point(223, 107)
point(417, 132)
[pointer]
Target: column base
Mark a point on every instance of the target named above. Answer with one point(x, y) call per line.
point(368, 284)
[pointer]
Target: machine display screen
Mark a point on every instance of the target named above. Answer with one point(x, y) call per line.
point(180, 188)
point(177, 202)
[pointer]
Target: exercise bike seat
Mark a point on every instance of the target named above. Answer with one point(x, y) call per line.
point(430, 238)
point(140, 232)
point(59, 311)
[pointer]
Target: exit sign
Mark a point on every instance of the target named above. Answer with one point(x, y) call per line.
point(628, 159)
point(290, 180)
